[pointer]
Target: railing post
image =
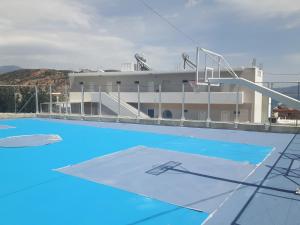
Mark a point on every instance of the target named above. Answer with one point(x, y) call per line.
point(58, 103)
point(100, 102)
point(139, 98)
point(298, 90)
point(159, 103)
point(66, 100)
point(36, 100)
point(119, 101)
point(91, 106)
point(208, 120)
point(237, 107)
point(269, 105)
point(82, 99)
point(50, 103)
point(183, 100)
point(15, 100)
point(272, 86)
point(197, 65)
point(219, 66)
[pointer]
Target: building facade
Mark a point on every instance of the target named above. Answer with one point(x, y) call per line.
point(173, 95)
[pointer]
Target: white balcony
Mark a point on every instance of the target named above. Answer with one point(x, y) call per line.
point(167, 97)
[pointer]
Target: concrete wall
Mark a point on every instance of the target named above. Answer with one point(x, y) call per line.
point(253, 97)
point(91, 109)
point(186, 123)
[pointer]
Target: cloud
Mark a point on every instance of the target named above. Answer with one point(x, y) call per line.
point(57, 33)
point(286, 11)
point(293, 58)
point(269, 8)
point(67, 34)
point(191, 3)
point(65, 49)
point(75, 34)
point(162, 55)
point(292, 24)
point(47, 12)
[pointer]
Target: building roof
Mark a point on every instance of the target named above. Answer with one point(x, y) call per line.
point(139, 73)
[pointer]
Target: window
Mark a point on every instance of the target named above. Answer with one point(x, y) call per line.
point(167, 114)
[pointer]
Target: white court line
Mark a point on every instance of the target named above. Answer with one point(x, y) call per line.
point(104, 156)
point(237, 187)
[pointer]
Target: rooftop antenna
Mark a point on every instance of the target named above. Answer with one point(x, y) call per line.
point(254, 62)
point(187, 61)
point(141, 63)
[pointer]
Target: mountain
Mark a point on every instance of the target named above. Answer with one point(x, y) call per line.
point(41, 77)
point(7, 69)
point(292, 91)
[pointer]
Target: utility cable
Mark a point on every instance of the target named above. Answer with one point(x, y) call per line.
point(168, 22)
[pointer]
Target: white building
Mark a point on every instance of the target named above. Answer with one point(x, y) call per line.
point(161, 95)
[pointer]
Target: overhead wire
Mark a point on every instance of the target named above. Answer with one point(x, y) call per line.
point(169, 22)
point(278, 74)
point(187, 36)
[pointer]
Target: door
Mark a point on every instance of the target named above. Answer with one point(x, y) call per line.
point(109, 86)
point(151, 113)
point(225, 115)
point(244, 115)
point(202, 115)
point(150, 86)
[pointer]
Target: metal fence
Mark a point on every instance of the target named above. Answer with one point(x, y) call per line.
point(185, 101)
point(291, 89)
point(18, 99)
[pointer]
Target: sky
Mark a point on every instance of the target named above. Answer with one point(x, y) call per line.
point(103, 34)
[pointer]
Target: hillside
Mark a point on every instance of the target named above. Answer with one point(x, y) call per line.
point(41, 77)
point(7, 69)
point(292, 91)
